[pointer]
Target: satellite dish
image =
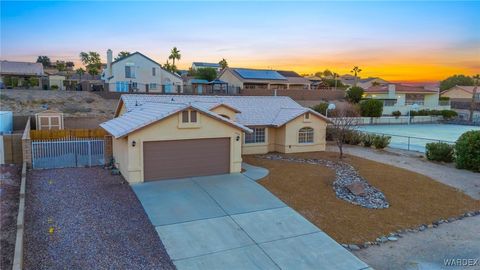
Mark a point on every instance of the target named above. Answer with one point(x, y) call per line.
point(415, 106)
point(331, 106)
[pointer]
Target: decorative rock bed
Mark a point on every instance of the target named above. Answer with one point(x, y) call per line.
point(348, 184)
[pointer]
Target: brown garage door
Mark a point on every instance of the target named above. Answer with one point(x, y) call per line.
point(185, 158)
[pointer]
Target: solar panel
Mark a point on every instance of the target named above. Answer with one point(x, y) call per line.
point(259, 74)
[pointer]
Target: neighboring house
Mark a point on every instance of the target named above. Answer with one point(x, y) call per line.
point(173, 136)
point(139, 73)
point(363, 83)
point(246, 78)
point(461, 93)
point(196, 86)
point(198, 65)
point(398, 97)
point(461, 101)
point(14, 74)
point(56, 82)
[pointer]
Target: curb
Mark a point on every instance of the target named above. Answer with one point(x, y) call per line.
point(18, 254)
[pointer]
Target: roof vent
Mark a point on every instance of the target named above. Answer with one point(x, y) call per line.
point(136, 103)
point(172, 99)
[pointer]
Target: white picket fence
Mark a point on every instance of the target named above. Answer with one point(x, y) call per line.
point(47, 154)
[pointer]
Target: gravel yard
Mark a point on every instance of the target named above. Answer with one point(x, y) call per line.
point(85, 218)
point(71, 103)
point(9, 196)
point(414, 199)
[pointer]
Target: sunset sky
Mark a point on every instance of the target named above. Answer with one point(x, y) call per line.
point(410, 42)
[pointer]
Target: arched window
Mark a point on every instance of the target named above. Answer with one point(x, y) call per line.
point(305, 135)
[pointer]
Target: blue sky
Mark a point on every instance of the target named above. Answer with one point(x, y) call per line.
point(396, 40)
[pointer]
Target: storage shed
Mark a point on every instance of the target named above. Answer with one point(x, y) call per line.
point(49, 120)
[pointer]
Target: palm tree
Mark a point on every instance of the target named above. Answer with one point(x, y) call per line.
point(356, 70)
point(476, 79)
point(223, 63)
point(174, 55)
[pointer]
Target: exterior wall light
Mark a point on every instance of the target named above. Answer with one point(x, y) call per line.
point(238, 138)
point(134, 143)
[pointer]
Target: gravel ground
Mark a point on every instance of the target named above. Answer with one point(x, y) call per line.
point(71, 103)
point(466, 181)
point(85, 218)
point(9, 196)
point(428, 249)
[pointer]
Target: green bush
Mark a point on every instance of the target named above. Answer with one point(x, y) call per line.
point(321, 108)
point(396, 113)
point(467, 150)
point(371, 108)
point(354, 94)
point(381, 141)
point(353, 138)
point(367, 140)
point(444, 98)
point(447, 114)
point(439, 151)
point(54, 87)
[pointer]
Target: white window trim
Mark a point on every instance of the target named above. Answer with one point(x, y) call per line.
point(257, 143)
point(306, 142)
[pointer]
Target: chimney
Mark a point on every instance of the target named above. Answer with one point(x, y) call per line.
point(391, 90)
point(109, 63)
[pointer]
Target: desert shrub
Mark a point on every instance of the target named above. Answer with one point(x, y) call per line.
point(367, 139)
point(89, 100)
point(381, 141)
point(371, 108)
point(353, 137)
point(54, 87)
point(467, 150)
point(447, 114)
point(321, 108)
point(439, 151)
point(396, 113)
point(354, 94)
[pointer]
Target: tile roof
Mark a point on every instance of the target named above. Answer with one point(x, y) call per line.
point(254, 110)
point(468, 89)
point(21, 68)
point(148, 113)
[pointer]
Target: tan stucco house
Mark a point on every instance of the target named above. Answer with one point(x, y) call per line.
point(174, 136)
point(247, 78)
point(461, 93)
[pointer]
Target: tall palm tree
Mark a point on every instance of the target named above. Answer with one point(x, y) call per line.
point(174, 55)
point(356, 70)
point(476, 80)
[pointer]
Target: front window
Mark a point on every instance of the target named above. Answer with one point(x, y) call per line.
point(185, 117)
point(258, 136)
point(193, 116)
point(152, 86)
point(305, 135)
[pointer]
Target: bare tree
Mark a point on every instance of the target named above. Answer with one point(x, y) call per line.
point(344, 122)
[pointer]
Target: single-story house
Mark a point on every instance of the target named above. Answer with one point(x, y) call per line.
point(461, 93)
point(174, 136)
point(21, 74)
point(247, 78)
point(398, 97)
point(363, 83)
point(56, 81)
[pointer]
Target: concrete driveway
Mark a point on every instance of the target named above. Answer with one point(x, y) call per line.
point(231, 222)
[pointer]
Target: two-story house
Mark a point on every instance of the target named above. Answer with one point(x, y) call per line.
point(139, 73)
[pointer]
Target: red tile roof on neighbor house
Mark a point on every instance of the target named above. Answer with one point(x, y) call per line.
point(399, 88)
point(468, 89)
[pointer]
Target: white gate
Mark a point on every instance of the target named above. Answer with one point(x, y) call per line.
point(47, 154)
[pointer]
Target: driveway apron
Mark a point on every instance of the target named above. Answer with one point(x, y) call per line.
point(231, 222)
